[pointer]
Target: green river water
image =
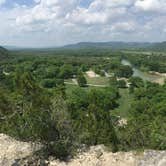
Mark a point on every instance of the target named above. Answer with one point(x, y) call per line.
point(145, 75)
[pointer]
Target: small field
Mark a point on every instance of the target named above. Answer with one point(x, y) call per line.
point(70, 88)
point(92, 80)
point(97, 80)
point(68, 80)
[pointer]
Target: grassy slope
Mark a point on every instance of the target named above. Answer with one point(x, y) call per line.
point(70, 88)
point(124, 101)
point(124, 104)
point(98, 80)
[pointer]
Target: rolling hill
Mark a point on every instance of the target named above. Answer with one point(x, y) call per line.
point(147, 46)
point(158, 47)
point(119, 46)
point(111, 45)
point(3, 53)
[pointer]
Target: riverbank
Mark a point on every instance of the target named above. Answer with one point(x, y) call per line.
point(157, 73)
point(146, 76)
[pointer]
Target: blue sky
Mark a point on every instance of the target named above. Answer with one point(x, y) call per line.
point(11, 3)
point(43, 23)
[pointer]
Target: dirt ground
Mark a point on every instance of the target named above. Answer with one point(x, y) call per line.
point(92, 74)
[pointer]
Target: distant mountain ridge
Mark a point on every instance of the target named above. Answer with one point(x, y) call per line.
point(112, 45)
point(118, 45)
point(151, 46)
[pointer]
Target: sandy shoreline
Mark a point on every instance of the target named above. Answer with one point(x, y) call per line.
point(158, 74)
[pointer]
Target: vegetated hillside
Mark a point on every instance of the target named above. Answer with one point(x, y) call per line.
point(158, 46)
point(84, 47)
point(112, 45)
point(3, 53)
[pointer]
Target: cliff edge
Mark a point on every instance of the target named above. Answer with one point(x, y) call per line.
point(16, 153)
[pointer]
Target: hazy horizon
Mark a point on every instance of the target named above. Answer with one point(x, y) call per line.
point(12, 47)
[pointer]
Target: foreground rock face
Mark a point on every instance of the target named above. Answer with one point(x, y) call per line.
point(10, 150)
point(152, 158)
point(98, 156)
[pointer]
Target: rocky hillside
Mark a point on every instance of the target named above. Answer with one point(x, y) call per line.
point(14, 153)
point(99, 156)
point(10, 150)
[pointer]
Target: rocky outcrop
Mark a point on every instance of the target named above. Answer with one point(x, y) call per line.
point(10, 150)
point(152, 158)
point(15, 153)
point(99, 156)
point(33, 160)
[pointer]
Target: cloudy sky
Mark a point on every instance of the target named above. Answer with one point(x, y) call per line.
point(39, 23)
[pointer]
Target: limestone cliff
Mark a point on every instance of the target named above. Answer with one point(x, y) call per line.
point(15, 153)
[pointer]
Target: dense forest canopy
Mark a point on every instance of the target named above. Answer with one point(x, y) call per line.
point(69, 98)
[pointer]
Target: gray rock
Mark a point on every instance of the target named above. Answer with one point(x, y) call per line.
point(16, 153)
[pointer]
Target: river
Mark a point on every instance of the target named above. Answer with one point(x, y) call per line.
point(145, 75)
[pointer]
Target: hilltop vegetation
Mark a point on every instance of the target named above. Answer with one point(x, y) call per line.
point(3, 53)
point(110, 45)
point(37, 104)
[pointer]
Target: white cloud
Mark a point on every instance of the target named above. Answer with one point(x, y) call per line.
point(65, 21)
point(111, 3)
point(100, 12)
point(89, 16)
point(129, 26)
point(151, 5)
point(46, 11)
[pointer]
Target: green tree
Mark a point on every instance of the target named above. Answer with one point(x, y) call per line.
point(81, 80)
point(63, 143)
point(124, 71)
point(136, 82)
point(121, 84)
